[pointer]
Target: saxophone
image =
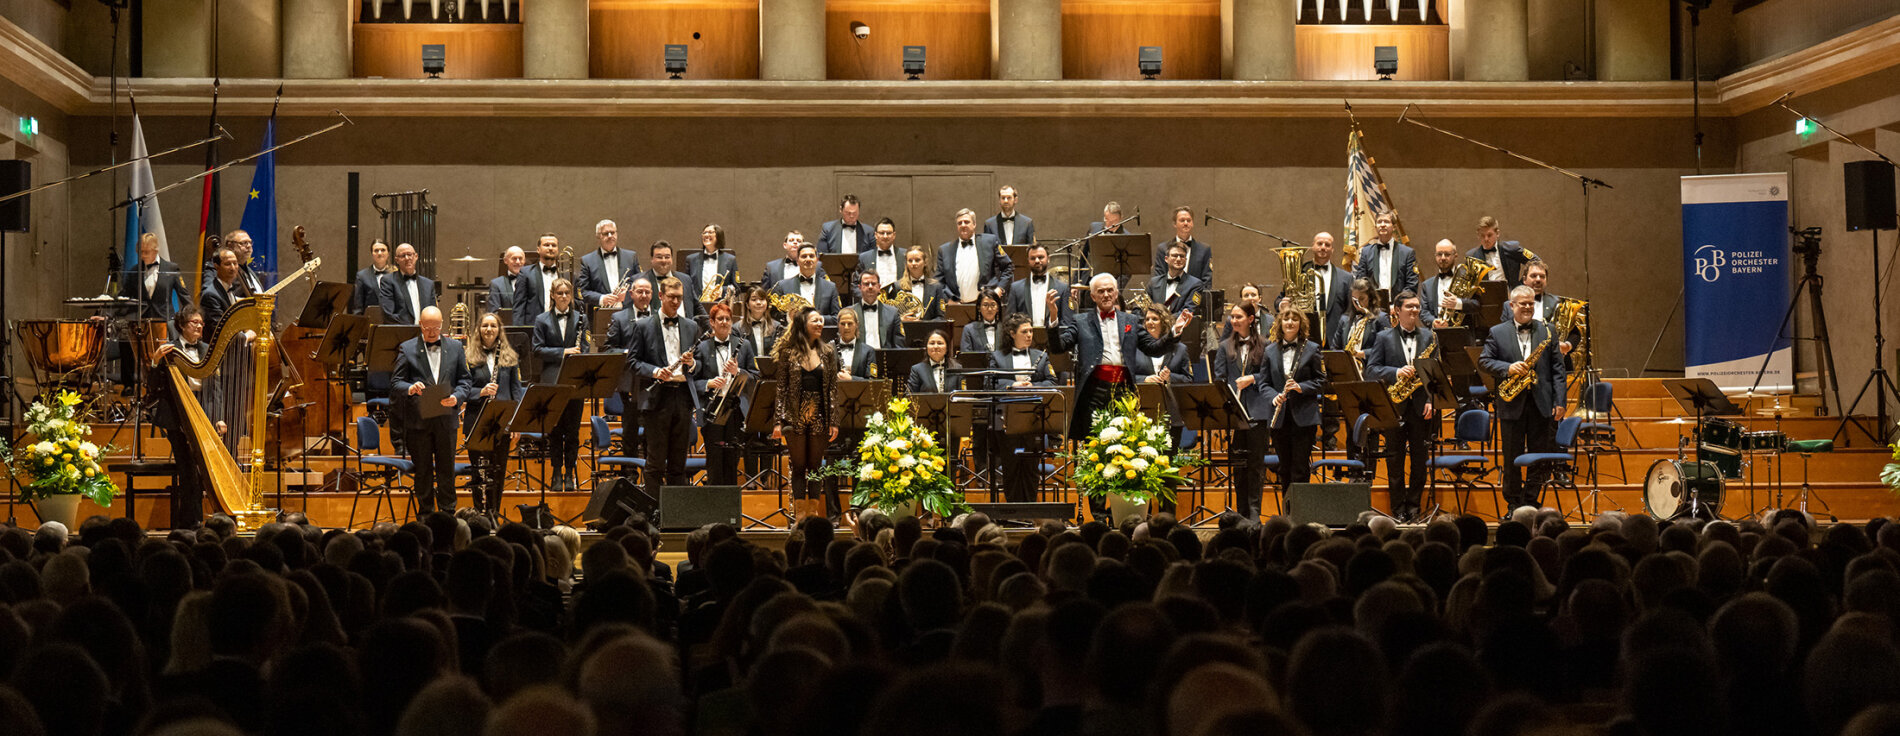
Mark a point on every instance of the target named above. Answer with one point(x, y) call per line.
point(1510, 387)
point(1466, 279)
point(1355, 337)
point(1403, 389)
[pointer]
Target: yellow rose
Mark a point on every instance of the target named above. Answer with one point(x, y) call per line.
point(1130, 474)
point(89, 472)
point(68, 468)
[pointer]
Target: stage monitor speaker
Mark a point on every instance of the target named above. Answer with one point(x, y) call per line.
point(685, 508)
point(15, 214)
point(1869, 195)
point(613, 503)
point(1332, 504)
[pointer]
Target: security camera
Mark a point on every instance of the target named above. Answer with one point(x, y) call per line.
point(860, 30)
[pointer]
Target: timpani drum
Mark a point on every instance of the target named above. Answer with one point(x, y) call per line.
point(1675, 488)
point(57, 348)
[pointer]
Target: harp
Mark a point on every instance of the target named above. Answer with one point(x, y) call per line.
point(237, 492)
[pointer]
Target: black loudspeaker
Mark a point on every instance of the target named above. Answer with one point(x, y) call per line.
point(1332, 504)
point(685, 508)
point(613, 503)
point(15, 214)
point(1870, 203)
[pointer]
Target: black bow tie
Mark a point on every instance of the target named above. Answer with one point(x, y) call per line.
point(1527, 326)
point(1005, 218)
point(437, 345)
point(411, 276)
point(549, 270)
point(966, 244)
point(1174, 280)
point(561, 315)
point(151, 266)
point(936, 366)
point(1038, 279)
point(1410, 334)
point(1018, 353)
point(805, 279)
point(670, 321)
point(720, 344)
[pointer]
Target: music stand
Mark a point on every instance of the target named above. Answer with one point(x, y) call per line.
point(840, 268)
point(759, 421)
point(932, 412)
point(506, 315)
point(1122, 255)
point(375, 314)
point(918, 332)
point(1018, 259)
point(959, 314)
point(385, 346)
point(1210, 407)
point(327, 299)
point(1368, 398)
point(521, 338)
point(1491, 299)
point(601, 321)
point(539, 410)
point(1046, 413)
point(489, 425)
point(591, 376)
point(855, 402)
point(895, 364)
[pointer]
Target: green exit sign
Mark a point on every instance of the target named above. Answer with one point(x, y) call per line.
point(29, 126)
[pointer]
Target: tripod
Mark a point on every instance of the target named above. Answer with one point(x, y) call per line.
point(1877, 379)
point(1810, 251)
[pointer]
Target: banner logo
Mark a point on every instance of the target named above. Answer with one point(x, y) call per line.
point(1709, 260)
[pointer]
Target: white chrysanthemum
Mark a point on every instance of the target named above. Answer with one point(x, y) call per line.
point(1115, 449)
point(1111, 434)
point(89, 449)
point(907, 461)
point(864, 473)
point(1148, 452)
point(900, 444)
point(1118, 422)
point(1139, 464)
point(878, 417)
point(45, 448)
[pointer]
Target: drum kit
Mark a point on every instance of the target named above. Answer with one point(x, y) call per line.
point(1683, 488)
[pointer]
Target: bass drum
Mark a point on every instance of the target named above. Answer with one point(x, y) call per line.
point(1672, 485)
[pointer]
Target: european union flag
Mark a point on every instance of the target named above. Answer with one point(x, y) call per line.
point(260, 209)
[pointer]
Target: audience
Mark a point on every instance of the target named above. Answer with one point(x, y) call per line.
point(448, 625)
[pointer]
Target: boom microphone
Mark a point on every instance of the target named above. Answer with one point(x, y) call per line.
point(1137, 218)
point(1207, 216)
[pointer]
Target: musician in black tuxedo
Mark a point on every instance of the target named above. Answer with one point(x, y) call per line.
point(1239, 362)
point(1200, 260)
point(154, 282)
point(1009, 226)
point(712, 262)
point(847, 234)
point(1544, 304)
point(883, 257)
point(534, 289)
point(660, 259)
point(1390, 265)
point(240, 243)
point(494, 373)
point(1391, 360)
point(985, 333)
point(369, 281)
point(855, 358)
point(1176, 289)
point(557, 334)
point(717, 362)
point(1507, 256)
point(1111, 222)
point(916, 279)
point(187, 501)
point(972, 263)
point(1436, 302)
point(1019, 469)
point(1041, 296)
point(406, 293)
point(1333, 293)
point(1293, 380)
point(780, 269)
point(1106, 342)
point(605, 272)
point(430, 359)
point(501, 289)
point(878, 323)
point(811, 283)
point(1529, 422)
point(937, 373)
point(663, 354)
point(221, 291)
point(620, 330)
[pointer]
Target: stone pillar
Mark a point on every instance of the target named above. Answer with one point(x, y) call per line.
point(554, 39)
point(177, 37)
point(1029, 39)
point(792, 39)
point(317, 39)
point(1497, 41)
point(1263, 40)
point(1632, 39)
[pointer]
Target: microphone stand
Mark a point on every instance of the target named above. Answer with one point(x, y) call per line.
point(1069, 246)
point(1208, 215)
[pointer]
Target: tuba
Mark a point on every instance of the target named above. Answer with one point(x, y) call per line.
point(1466, 279)
point(1297, 283)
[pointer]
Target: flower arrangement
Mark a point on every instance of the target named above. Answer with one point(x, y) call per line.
point(900, 463)
point(1890, 474)
point(1128, 454)
point(62, 462)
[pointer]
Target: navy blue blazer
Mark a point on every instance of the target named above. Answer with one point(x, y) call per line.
point(890, 326)
point(620, 331)
point(501, 292)
point(1511, 258)
point(993, 266)
point(368, 291)
point(857, 358)
point(1025, 229)
point(547, 343)
point(215, 300)
point(647, 354)
point(1228, 370)
point(831, 236)
point(1387, 356)
point(395, 298)
point(689, 296)
point(412, 368)
point(975, 341)
point(507, 388)
point(528, 289)
point(728, 266)
point(1303, 407)
point(706, 366)
point(1404, 266)
point(1338, 306)
point(867, 261)
point(250, 281)
point(1180, 369)
point(1200, 263)
point(593, 274)
point(934, 299)
point(1038, 362)
point(775, 271)
point(1019, 299)
point(1430, 292)
point(923, 380)
point(765, 339)
point(1188, 294)
point(824, 293)
point(156, 304)
point(1501, 351)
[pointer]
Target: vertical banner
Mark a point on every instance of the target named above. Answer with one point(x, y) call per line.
point(1735, 273)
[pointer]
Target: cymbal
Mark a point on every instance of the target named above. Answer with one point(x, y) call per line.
point(1778, 411)
point(469, 259)
point(1679, 420)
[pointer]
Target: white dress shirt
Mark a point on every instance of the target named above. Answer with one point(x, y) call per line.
point(1009, 229)
point(671, 336)
point(1111, 339)
point(1288, 354)
point(886, 262)
point(1494, 258)
point(936, 371)
point(809, 289)
point(560, 323)
point(790, 268)
point(151, 278)
point(967, 271)
point(610, 265)
point(1524, 341)
point(709, 269)
point(547, 288)
point(847, 238)
point(1537, 308)
point(1383, 274)
point(415, 297)
point(872, 337)
point(1038, 300)
point(434, 354)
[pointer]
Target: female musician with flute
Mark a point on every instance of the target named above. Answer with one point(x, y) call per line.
point(1292, 378)
point(1238, 363)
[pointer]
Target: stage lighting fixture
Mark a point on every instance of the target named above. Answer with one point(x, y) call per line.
point(914, 61)
point(1148, 58)
point(675, 60)
point(1385, 61)
point(434, 60)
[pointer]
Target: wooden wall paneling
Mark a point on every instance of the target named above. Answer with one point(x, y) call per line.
point(626, 38)
point(955, 34)
point(1345, 52)
point(1100, 38)
point(473, 50)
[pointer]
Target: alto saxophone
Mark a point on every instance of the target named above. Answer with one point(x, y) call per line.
point(1403, 388)
point(1510, 387)
point(1355, 337)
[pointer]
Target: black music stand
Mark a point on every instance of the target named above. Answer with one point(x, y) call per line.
point(521, 338)
point(598, 324)
point(840, 268)
point(343, 338)
point(375, 314)
point(1018, 259)
point(506, 315)
point(895, 364)
point(539, 410)
point(1045, 413)
point(973, 362)
point(855, 402)
point(1368, 398)
point(327, 299)
point(1122, 254)
point(1210, 407)
point(918, 332)
point(932, 412)
point(1491, 301)
point(385, 346)
point(959, 314)
point(759, 421)
point(591, 376)
point(489, 425)
point(1339, 365)
point(1459, 367)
